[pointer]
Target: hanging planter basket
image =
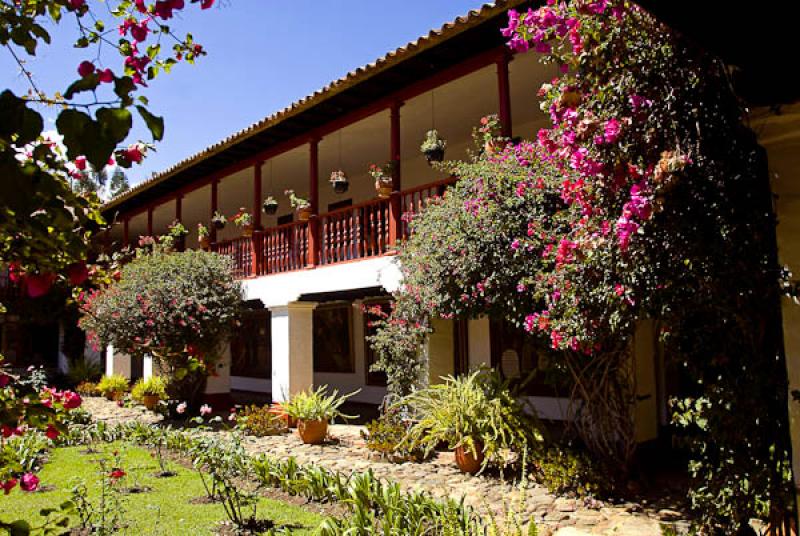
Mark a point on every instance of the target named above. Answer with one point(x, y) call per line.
point(270, 206)
point(434, 155)
point(433, 147)
point(218, 220)
point(339, 181)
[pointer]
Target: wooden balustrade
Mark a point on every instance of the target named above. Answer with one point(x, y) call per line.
point(283, 248)
point(356, 232)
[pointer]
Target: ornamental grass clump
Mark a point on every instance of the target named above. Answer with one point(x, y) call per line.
point(476, 415)
point(113, 386)
point(150, 391)
point(314, 410)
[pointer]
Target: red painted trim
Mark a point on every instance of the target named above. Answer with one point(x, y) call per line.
point(403, 94)
point(212, 235)
point(313, 197)
point(257, 195)
point(504, 95)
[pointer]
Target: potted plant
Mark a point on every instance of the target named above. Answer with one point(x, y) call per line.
point(476, 415)
point(433, 146)
point(113, 387)
point(302, 207)
point(150, 391)
point(270, 205)
point(277, 409)
point(244, 220)
point(203, 236)
point(489, 133)
point(383, 179)
point(339, 181)
point(176, 232)
point(218, 220)
point(314, 410)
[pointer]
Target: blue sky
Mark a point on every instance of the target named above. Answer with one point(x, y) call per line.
point(263, 55)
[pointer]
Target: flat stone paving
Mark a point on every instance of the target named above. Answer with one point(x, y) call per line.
point(346, 453)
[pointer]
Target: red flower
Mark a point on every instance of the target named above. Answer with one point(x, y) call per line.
point(77, 273)
point(29, 482)
point(80, 162)
point(116, 474)
point(52, 432)
point(105, 76)
point(85, 68)
point(39, 284)
point(8, 485)
point(72, 400)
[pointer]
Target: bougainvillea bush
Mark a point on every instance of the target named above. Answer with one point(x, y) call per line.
point(177, 307)
point(646, 198)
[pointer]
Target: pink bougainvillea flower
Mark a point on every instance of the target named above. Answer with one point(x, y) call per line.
point(134, 153)
point(139, 31)
point(77, 273)
point(29, 482)
point(106, 76)
point(611, 130)
point(205, 4)
point(141, 7)
point(85, 68)
point(80, 162)
point(77, 4)
point(8, 485)
point(38, 285)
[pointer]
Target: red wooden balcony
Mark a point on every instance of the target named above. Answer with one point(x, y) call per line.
point(362, 231)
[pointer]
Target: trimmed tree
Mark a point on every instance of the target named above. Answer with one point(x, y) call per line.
point(179, 308)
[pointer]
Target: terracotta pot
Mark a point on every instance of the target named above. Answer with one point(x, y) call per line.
point(205, 243)
point(247, 230)
point(114, 395)
point(303, 213)
point(312, 432)
point(383, 187)
point(150, 401)
point(434, 155)
point(468, 462)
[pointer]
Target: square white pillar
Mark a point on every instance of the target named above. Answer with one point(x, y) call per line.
point(292, 348)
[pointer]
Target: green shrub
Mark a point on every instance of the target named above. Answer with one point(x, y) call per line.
point(259, 421)
point(473, 411)
point(116, 383)
point(385, 436)
point(82, 370)
point(563, 470)
point(153, 386)
point(316, 405)
point(87, 389)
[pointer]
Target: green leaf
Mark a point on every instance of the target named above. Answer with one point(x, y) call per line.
point(17, 118)
point(123, 87)
point(87, 83)
point(154, 123)
point(115, 123)
point(19, 528)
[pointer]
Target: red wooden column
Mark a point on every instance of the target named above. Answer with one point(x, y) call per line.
point(255, 243)
point(504, 94)
point(178, 217)
point(313, 198)
point(212, 235)
point(394, 154)
point(149, 221)
point(125, 225)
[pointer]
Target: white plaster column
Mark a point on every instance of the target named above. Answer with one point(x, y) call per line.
point(220, 382)
point(292, 348)
point(147, 367)
point(441, 350)
point(479, 342)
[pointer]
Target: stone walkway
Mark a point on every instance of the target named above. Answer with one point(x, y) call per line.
point(558, 516)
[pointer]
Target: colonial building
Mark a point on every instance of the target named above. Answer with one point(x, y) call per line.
point(305, 281)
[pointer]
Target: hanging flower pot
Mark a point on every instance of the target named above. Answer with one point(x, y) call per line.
point(339, 181)
point(244, 220)
point(270, 205)
point(218, 220)
point(383, 179)
point(433, 147)
point(302, 207)
point(203, 236)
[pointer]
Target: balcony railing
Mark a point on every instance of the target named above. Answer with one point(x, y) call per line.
point(362, 231)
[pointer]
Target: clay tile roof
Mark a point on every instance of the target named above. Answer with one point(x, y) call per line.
point(394, 57)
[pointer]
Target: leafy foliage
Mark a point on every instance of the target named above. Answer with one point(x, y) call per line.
point(115, 383)
point(152, 386)
point(317, 405)
point(260, 421)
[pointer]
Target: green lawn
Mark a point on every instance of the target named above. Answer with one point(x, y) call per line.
point(163, 510)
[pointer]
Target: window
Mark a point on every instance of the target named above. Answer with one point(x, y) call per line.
point(251, 347)
point(333, 346)
point(373, 378)
point(518, 356)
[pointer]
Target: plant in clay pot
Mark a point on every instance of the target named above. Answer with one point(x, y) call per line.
point(149, 392)
point(218, 220)
point(489, 134)
point(113, 387)
point(203, 236)
point(314, 409)
point(433, 147)
point(270, 205)
point(339, 181)
point(383, 179)
point(244, 220)
point(302, 207)
point(476, 415)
